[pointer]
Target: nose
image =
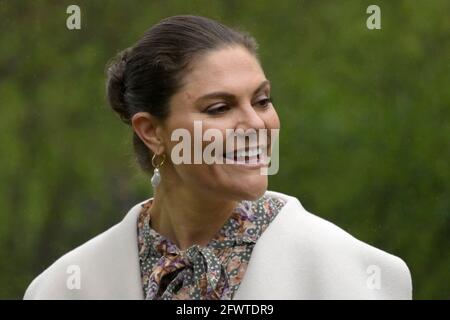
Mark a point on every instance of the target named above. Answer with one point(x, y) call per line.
point(249, 118)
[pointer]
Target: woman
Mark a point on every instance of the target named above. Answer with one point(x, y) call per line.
point(211, 230)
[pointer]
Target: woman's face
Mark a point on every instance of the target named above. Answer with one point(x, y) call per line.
point(242, 104)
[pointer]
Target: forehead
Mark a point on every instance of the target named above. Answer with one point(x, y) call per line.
point(234, 70)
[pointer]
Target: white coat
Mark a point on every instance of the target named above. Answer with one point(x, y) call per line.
point(299, 256)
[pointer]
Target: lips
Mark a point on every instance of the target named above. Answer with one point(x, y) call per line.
point(251, 155)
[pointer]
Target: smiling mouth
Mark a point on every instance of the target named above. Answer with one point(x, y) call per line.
point(254, 155)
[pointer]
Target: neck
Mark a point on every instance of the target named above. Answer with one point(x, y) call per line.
point(188, 216)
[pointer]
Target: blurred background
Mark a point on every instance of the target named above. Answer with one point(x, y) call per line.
point(365, 117)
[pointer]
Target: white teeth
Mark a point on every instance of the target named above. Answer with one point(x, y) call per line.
point(253, 152)
point(230, 155)
point(241, 153)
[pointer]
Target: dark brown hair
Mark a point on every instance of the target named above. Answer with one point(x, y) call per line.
point(144, 77)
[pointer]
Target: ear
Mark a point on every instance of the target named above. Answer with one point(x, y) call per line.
point(147, 127)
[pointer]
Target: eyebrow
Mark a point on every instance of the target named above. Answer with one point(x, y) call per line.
point(223, 94)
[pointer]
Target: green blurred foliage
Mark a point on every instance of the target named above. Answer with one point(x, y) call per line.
point(365, 120)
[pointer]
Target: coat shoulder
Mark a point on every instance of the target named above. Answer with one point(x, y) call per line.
point(340, 259)
point(104, 267)
point(59, 280)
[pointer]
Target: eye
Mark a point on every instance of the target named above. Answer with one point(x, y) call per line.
point(217, 109)
point(264, 103)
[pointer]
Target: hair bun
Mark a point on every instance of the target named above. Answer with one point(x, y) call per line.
point(115, 85)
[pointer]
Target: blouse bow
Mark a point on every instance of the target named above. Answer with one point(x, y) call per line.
point(210, 272)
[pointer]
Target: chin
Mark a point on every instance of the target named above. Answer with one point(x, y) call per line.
point(244, 185)
point(251, 191)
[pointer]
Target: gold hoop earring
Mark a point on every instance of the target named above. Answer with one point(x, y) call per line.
point(156, 178)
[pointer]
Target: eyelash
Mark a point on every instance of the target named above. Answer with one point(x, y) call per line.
point(214, 111)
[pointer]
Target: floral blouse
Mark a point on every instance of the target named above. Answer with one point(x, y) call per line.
point(214, 271)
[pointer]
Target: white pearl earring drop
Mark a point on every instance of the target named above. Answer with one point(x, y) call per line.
point(156, 178)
